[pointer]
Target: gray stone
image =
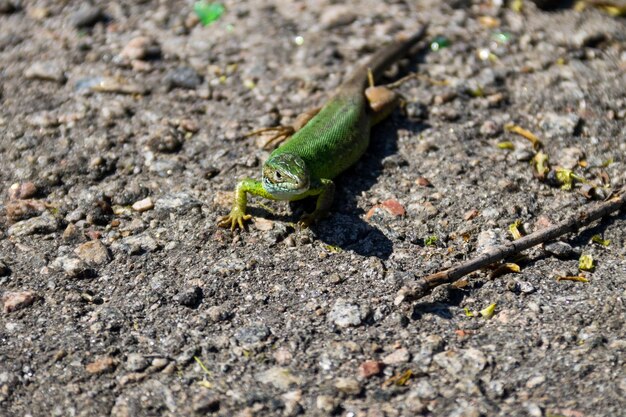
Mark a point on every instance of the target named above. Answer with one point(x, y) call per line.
point(73, 267)
point(43, 224)
point(279, 377)
point(86, 16)
point(205, 402)
point(137, 244)
point(556, 125)
point(397, 357)
point(179, 203)
point(252, 334)
point(425, 391)
point(345, 314)
point(48, 71)
point(190, 297)
point(486, 241)
point(183, 77)
point(348, 386)
point(560, 249)
point(136, 362)
point(93, 252)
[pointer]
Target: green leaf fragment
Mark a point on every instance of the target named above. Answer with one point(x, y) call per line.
point(468, 313)
point(208, 12)
point(506, 145)
point(488, 311)
point(586, 263)
point(598, 239)
point(567, 178)
point(431, 240)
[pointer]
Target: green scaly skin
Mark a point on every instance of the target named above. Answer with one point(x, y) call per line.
point(332, 141)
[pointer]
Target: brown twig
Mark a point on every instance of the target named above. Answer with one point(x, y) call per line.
point(583, 218)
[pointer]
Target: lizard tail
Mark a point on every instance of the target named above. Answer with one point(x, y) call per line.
point(382, 59)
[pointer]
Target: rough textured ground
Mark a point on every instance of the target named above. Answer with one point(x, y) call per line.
point(108, 298)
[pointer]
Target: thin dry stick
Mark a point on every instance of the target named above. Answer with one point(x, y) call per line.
point(498, 253)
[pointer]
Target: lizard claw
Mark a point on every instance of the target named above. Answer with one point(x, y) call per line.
point(307, 220)
point(236, 219)
point(281, 133)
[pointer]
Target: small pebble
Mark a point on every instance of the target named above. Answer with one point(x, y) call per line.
point(14, 301)
point(326, 403)
point(205, 402)
point(141, 47)
point(490, 129)
point(43, 224)
point(136, 362)
point(336, 16)
point(47, 71)
point(143, 205)
point(21, 191)
point(252, 334)
point(556, 125)
point(86, 16)
point(345, 314)
point(190, 297)
point(183, 77)
point(73, 267)
point(17, 210)
point(348, 386)
point(561, 250)
point(397, 357)
point(370, 368)
point(281, 378)
point(101, 365)
point(93, 252)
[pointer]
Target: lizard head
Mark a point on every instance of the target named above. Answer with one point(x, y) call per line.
point(285, 176)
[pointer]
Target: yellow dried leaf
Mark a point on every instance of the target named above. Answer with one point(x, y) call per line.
point(540, 163)
point(598, 239)
point(204, 368)
point(586, 263)
point(506, 145)
point(468, 313)
point(514, 229)
point(488, 311)
point(505, 269)
point(527, 134)
point(577, 278)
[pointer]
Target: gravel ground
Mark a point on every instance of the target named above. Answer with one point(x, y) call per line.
point(122, 137)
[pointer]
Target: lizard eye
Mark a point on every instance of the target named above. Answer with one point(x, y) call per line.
point(278, 176)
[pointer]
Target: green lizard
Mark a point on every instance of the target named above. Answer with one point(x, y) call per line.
point(325, 143)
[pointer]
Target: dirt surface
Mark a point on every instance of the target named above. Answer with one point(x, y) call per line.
point(122, 137)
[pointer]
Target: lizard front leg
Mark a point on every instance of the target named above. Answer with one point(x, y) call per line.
point(237, 216)
point(325, 193)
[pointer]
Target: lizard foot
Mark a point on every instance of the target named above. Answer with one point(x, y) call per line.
point(307, 220)
point(235, 219)
point(281, 133)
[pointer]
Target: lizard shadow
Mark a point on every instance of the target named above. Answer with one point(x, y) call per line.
point(346, 227)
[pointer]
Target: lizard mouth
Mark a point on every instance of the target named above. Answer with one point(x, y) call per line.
point(285, 176)
point(285, 190)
